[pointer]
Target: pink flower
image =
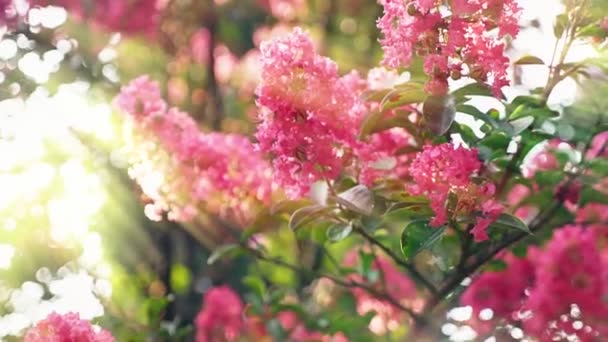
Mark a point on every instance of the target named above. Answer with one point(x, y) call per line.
point(66, 328)
point(592, 213)
point(543, 160)
point(568, 272)
point(417, 26)
point(441, 170)
point(306, 111)
point(284, 9)
point(599, 146)
point(221, 318)
point(199, 46)
point(380, 157)
point(503, 292)
point(514, 198)
point(181, 168)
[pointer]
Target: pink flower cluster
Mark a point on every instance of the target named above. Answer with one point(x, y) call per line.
point(310, 119)
point(453, 45)
point(442, 171)
point(306, 113)
point(392, 281)
point(130, 17)
point(221, 318)
point(66, 328)
point(556, 291)
point(182, 169)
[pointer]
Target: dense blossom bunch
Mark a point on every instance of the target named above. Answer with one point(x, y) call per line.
point(556, 291)
point(306, 112)
point(391, 280)
point(130, 17)
point(450, 42)
point(66, 328)
point(220, 172)
point(442, 171)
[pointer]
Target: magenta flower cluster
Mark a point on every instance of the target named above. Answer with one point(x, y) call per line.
point(220, 173)
point(443, 173)
point(555, 291)
point(455, 40)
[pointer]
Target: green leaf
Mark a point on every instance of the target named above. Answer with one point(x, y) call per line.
point(417, 236)
point(256, 284)
point(180, 278)
point(339, 231)
point(223, 251)
point(359, 199)
point(521, 124)
point(288, 206)
point(513, 222)
point(410, 213)
point(598, 166)
point(477, 114)
point(403, 98)
point(472, 89)
point(439, 113)
point(495, 265)
point(375, 95)
point(370, 123)
point(307, 214)
point(377, 122)
point(590, 195)
point(561, 21)
point(154, 308)
point(529, 60)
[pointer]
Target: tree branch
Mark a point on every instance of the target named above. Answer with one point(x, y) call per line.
point(409, 267)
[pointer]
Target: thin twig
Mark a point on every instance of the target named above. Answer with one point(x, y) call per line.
point(409, 267)
point(349, 283)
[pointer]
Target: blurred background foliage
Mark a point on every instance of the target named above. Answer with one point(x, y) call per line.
point(73, 231)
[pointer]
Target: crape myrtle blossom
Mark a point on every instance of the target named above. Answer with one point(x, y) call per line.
point(442, 171)
point(555, 291)
point(66, 328)
point(454, 44)
point(182, 169)
point(307, 113)
point(310, 119)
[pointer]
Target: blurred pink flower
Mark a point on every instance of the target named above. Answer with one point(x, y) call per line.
point(66, 328)
point(199, 46)
point(222, 173)
point(129, 17)
point(391, 280)
point(221, 318)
